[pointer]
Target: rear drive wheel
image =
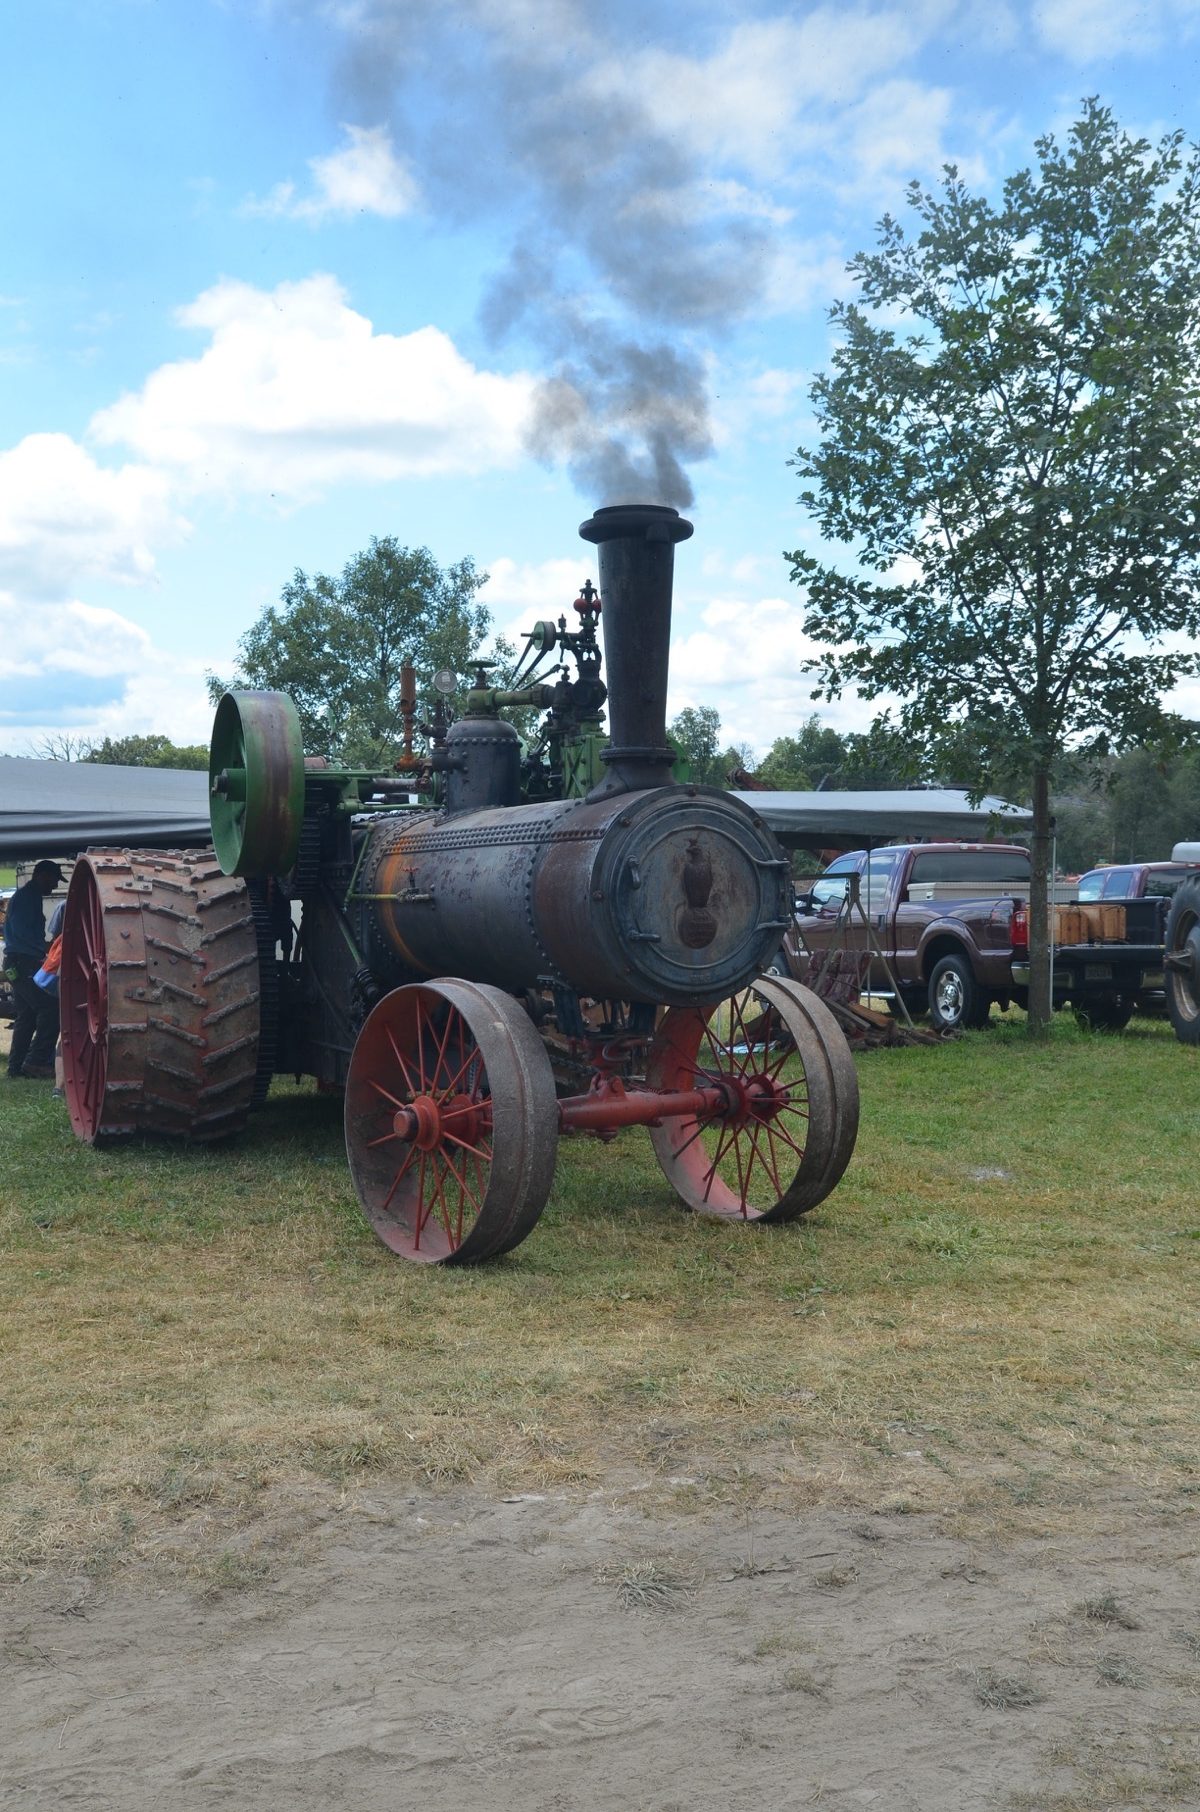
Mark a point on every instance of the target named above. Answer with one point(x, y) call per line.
point(956, 1001)
point(1181, 963)
point(159, 996)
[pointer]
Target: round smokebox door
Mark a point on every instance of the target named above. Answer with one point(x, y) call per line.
point(692, 887)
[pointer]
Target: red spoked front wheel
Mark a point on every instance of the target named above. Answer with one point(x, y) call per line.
point(785, 1128)
point(451, 1122)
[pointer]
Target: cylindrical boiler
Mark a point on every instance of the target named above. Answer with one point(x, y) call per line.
point(669, 895)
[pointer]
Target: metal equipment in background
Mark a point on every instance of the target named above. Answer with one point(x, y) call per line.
point(493, 945)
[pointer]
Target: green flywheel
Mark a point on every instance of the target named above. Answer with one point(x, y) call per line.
point(256, 783)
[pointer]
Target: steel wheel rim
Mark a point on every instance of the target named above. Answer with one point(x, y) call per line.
point(1186, 983)
point(746, 1162)
point(83, 1005)
point(450, 1122)
point(950, 997)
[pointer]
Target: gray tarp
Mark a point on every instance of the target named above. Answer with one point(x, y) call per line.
point(853, 820)
point(56, 808)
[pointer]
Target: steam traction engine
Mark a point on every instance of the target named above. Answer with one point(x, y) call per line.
point(563, 940)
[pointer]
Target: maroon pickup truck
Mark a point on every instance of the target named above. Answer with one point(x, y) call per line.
point(949, 918)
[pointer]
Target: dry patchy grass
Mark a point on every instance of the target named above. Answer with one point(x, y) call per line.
point(180, 1329)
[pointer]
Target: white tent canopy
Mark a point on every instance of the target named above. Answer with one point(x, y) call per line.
point(853, 820)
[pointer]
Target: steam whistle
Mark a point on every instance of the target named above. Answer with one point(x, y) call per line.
point(588, 602)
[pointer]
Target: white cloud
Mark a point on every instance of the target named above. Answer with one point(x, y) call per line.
point(897, 129)
point(1185, 699)
point(794, 104)
point(542, 588)
point(522, 594)
point(72, 668)
point(743, 102)
point(364, 177)
point(69, 637)
point(1088, 31)
point(746, 660)
point(296, 392)
point(806, 274)
point(770, 405)
point(64, 518)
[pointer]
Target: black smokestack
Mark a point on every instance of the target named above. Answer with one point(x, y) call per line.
point(636, 544)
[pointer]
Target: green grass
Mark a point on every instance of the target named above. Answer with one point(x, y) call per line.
point(8, 876)
point(181, 1329)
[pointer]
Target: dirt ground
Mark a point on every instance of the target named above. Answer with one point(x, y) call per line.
point(384, 1650)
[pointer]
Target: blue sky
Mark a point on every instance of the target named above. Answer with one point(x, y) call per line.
point(278, 277)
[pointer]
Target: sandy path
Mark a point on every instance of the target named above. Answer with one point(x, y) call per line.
point(450, 1653)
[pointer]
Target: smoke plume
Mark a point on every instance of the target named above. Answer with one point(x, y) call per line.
point(622, 271)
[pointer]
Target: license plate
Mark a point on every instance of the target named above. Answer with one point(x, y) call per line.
point(1097, 972)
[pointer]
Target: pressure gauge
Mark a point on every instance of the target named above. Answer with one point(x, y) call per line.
point(445, 681)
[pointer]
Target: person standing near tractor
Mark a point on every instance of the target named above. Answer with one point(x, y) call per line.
point(35, 1028)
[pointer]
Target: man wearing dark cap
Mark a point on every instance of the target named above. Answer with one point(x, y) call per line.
point(35, 1028)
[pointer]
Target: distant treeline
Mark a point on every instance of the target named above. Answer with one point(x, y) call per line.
point(147, 752)
point(1133, 808)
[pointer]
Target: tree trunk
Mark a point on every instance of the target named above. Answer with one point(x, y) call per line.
point(1040, 1003)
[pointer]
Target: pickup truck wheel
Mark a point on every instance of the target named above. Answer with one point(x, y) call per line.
point(1181, 963)
point(1108, 1013)
point(956, 1001)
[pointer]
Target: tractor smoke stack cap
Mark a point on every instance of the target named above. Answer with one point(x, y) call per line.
point(639, 521)
point(636, 557)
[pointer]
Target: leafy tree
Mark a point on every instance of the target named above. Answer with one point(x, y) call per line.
point(818, 751)
point(696, 731)
point(883, 757)
point(1083, 827)
point(1014, 453)
point(148, 752)
point(782, 768)
point(337, 644)
point(1154, 802)
point(820, 758)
